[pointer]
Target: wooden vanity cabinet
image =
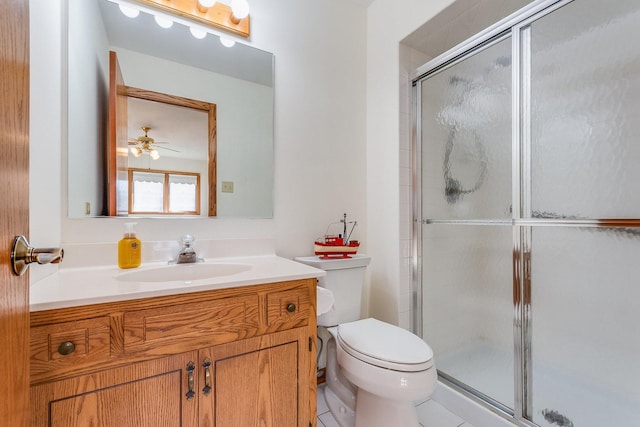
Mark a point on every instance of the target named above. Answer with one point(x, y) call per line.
point(224, 358)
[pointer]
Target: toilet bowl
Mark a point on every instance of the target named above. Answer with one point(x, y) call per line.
point(390, 368)
point(375, 371)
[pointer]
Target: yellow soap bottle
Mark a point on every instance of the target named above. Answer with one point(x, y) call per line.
point(129, 248)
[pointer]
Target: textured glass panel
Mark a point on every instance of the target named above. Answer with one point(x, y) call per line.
point(586, 342)
point(468, 306)
point(585, 98)
point(466, 137)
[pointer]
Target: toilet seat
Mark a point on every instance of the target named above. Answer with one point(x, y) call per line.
point(384, 345)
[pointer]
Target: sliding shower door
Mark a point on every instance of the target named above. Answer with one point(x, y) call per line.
point(466, 193)
point(584, 100)
point(529, 251)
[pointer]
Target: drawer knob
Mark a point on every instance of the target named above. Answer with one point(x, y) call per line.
point(66, 348)
point(291, 307)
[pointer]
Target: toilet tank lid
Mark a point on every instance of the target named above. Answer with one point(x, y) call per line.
point(359, 260)
point(385, 342)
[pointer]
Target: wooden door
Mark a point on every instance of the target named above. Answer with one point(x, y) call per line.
point(259, 381)
point(14, 210)
point(145, 394)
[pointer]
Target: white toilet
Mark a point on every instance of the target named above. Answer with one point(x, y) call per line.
point(375, 371)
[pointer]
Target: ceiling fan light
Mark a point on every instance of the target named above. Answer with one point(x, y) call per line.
point(197, 32)
point(154, 154)
point(163, 21)
point(240, 8)
point(128, 11)
point(136, 151)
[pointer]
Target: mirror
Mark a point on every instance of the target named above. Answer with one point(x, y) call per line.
point(238, 80)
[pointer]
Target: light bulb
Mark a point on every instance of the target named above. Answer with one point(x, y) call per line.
point(136, 151)
point(163, 21)
point(198, 33)
point(207, 3)
point(240, 8)
point(128, 11)
point(227, 42)
point(154, 154)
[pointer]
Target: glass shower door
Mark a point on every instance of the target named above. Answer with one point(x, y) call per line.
point(466, 207)
point(585, 152)
point(530, 210)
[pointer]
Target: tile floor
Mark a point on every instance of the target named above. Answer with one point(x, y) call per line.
point(430, 414)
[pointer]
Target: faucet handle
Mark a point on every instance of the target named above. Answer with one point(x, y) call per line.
point(187, 240)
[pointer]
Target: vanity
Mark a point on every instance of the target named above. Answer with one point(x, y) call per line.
point(234, 350)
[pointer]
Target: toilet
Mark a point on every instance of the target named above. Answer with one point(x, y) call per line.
point(375, 371)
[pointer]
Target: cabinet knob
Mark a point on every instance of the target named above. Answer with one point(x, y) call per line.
point(66, 348)
point(291, 307)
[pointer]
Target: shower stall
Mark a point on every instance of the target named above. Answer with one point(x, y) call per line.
point(528, 214)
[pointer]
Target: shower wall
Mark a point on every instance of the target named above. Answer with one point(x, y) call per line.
point(530, 205)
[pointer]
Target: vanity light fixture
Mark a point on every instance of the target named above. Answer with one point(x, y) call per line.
point(204, 5)
point(239, 9)
point(234, 19)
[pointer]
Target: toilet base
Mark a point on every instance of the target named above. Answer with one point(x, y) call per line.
point(344, 416)
point(373, 411)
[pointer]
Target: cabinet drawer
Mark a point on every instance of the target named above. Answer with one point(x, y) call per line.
point(288, 308)
point(69, 344)
point(188, 326)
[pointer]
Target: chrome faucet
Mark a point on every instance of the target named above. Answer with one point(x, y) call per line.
point(187, 254)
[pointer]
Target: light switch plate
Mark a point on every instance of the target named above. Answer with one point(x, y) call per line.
point(227, 186)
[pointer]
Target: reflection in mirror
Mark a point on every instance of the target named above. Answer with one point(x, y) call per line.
point(170, 134)
point(239, 80)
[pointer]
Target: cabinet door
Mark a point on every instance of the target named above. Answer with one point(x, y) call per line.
point(259, 381)
point(146, 394)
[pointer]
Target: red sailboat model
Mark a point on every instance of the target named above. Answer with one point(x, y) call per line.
point(337, 246)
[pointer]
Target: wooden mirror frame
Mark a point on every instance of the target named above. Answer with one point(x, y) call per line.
point(117, 134)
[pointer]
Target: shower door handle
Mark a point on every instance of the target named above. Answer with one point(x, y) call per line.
point(22, 255)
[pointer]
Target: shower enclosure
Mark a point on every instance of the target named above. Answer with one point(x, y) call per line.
point(528, 176)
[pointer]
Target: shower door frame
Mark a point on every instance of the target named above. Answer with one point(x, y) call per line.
point(516, 27)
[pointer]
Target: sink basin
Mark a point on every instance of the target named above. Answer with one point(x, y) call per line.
point(182, 272)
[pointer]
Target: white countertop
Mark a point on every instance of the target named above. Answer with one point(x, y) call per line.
point(73, 287)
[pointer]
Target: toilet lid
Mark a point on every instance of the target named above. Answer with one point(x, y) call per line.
point(385, 345)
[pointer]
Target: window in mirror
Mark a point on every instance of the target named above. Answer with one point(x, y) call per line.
point(163, 192)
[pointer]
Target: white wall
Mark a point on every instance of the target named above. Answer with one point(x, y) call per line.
point(320, 108)
point(45, 128)
point(88, 106)
point(388, 174)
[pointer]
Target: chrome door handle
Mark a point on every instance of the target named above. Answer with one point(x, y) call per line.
point(22, 255)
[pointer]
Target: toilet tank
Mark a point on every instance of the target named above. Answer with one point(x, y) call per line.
point(345, 278)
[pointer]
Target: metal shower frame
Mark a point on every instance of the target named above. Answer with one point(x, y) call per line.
point(517, 28)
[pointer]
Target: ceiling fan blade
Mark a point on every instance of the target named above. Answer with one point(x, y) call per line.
point(170, 149)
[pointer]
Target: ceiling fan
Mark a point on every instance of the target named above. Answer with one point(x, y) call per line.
point(145, 143)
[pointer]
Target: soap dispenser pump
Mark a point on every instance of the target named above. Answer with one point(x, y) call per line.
point(129, 248)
